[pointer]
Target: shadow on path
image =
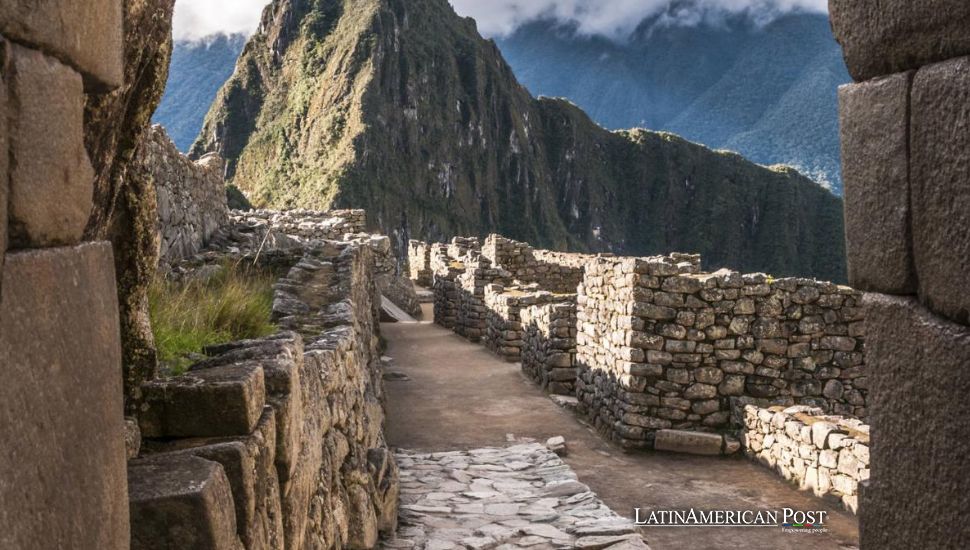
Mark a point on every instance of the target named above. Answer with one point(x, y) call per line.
point(457, 395)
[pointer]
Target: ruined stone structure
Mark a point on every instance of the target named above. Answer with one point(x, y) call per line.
point(295, 421)
point(654, 343)
point(419, 263)
point(300, 227)
point(64, 482)
point(549, 345)
point(663, 345)
point(190, 196)
point(905, 165)
point(658, 354)
point(828, 455)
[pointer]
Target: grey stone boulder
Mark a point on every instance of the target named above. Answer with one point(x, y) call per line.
point(881, 37)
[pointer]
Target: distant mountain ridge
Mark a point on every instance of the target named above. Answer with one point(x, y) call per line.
point(199, 68)
point(767, 91)
point(400, 107)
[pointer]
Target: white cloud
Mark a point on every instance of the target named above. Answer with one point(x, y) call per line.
point(199, 18)
point(615, 18)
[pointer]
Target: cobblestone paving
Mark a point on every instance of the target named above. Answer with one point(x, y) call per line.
point(522, 496)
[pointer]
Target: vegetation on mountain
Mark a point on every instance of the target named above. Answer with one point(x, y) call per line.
point(766, 90)
point(401, 108)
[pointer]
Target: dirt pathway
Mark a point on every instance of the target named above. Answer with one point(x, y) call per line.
point(458, 396)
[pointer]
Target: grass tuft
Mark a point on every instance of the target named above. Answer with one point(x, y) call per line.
point(234, 304)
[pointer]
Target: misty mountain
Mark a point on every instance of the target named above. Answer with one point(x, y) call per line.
point(767, 91)
point(400, 107)
point(199, 68)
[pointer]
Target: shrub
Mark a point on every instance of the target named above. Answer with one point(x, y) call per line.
point(233, 304)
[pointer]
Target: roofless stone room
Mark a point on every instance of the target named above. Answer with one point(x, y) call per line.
point(463, 275)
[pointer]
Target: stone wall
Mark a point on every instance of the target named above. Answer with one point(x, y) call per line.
point(662, 345)
point(419, 263)
point(549, 345)
point(61, 421)
point(504, 326)
point(293, 423)
point(828, 455)
point(552, 271)
point(307, 226)
point(905, 165)
point(191, 196)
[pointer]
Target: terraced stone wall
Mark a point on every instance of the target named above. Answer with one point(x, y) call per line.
point(278, 442)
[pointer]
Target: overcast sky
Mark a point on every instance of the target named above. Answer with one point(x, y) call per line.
point(615, 18)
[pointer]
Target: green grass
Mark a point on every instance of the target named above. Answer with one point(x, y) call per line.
point(234, 304)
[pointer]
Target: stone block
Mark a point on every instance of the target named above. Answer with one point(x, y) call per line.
point(249, 465)
point(61, 422)
point(4, 158)
point(874, 118)
point(918, 362)
point(941, 196)
point(176, 490)
point(88, 35)
point(219, 401)
point(51, 178)
point(695, 443)
point(881, 37)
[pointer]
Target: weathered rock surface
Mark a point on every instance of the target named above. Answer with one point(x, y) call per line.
point(875, 145)
point(63, 463)
point(940, 170)
point(87, 34)
point(51, 177)
point(922, 362)
point(881, 37)
point(181, 502)
point(125, 206)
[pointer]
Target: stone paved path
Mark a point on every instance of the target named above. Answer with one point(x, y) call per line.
point(522, 496)
point(453, 395)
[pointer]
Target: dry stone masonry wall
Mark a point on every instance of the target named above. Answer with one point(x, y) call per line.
point(658, 353)
point(828, 455)
point(905, 166)
point(191, 196)
point(295, 421)
point(64, 482)
point(662, 345)
point(549, 345)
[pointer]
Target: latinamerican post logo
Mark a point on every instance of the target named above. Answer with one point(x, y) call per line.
point(788, 520)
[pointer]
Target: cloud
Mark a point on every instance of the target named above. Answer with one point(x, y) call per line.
point(196, 19)
point(618, 18)
point(613, 18)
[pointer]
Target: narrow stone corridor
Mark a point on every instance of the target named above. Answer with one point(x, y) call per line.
point(446, 394)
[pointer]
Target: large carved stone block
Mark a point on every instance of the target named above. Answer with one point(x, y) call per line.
point(881, 37)
point(874, 118)
point(919, 378)
point(179, 501)
point(249, 466)
point(88, 34)
point(51, 178)
point(61, 423)
point(4, 158)
point(940, 171)
point(220, 401)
